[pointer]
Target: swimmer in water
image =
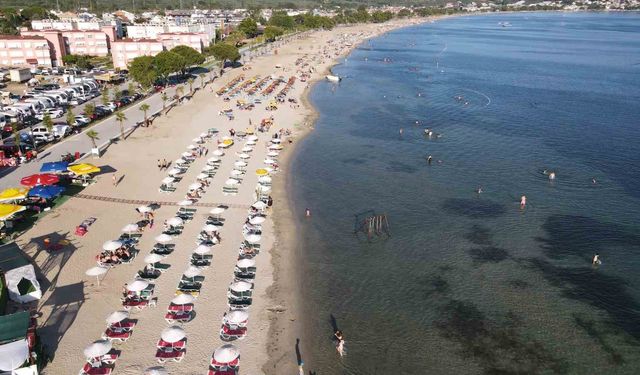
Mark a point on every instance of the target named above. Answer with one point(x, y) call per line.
point(523, 201)
point(429, 159)
point(596, 260)
point(552, 176)
point(479, 190)
point(401, 131)
point(593, 180)
point(340, 344)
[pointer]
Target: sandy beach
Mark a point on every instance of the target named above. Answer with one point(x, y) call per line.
point(74, 306)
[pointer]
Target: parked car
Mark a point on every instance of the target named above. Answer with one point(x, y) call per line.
point(41, 134)
point(100, 112)
point(104, 108)
point(76, 101)
point(53, 112)
point(112, 106)
point(82, 120)
point(61, 130)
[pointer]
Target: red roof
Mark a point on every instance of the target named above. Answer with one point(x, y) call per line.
point(32, 61)
point(21, 37)
point(129, 40)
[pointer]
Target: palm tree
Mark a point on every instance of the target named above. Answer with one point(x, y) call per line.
point(164, 98)
point(121, 118)
point(47, 122)
point(201, 75)
point(93, 135)
point(104, 95)
point(16, 135)
point(131, 87)
point(190, 82)
point(144, 108)
point(89, 110)
point(71, 118)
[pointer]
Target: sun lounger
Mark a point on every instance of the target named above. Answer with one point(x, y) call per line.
point(175, 355)
point(173, 232)
point(175, 308)
point(180, 316)
point(122, 326)
point(171, 345)
point(117, 336)
point(162, 251)
point(108, 359)
point(87, 369)
point(223, 372)
point(148, 274)
point(185, 209)
point(202, 263)
point(229, 190)
point(239, 305)
point(229, 334)
point(233, 365)
point(166, 189)
point(161, 266)
point(138, 304)
point(193, 292)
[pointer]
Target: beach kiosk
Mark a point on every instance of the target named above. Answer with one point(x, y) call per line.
point(82, 173)
point(19, 349)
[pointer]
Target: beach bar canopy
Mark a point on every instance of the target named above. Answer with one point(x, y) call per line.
point(54, 167)
point(40, 179)
point(46, 192)
point(20, 276)
point(83, 169)
point(13, 194)
point(8, 210)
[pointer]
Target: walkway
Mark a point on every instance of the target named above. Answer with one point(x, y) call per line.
point(161, 203)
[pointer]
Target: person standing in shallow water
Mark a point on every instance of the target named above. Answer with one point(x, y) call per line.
point(523, 201)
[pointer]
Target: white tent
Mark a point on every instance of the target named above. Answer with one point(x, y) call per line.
point(18, 280)
point(13, 355)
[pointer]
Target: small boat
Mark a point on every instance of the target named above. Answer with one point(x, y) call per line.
point(332, 78)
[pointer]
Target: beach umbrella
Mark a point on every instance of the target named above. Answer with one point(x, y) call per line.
point(191, 147)
point(183, 299)
point(174, 221)
point(253, 238)
point(173, 334)
point(153, 258)
point(111, 245)
point(204, 135)
point(250, 143)
point(257, 220)
point(261, 172)
point(83, 169)
point(236, 317)
point(54, 167)
point(235, 172)
point(192, 272)
point(97, 348)
point(244, 156)
point(40, 179)
point(217, 210)
point(276, 140)
point(137, 285)
point(174, 171)
point(247, 149)
point(117, 316)
point(240, 164)
point(210, 228)
point(12, 194)
point(164, 238)
point(144, 209)
point(180, 161)
point(231, 182)
point(97, 272)
point(186, 155)
point(263, 189)
point(246, 263)
point(264, 180)
point(156, 370)
point(186, 202)
point(240, 286)
point(218, 152)
point(202, 249)
point(195, 186)
point(202, 176)
point(227, 142)
point(253, 138)
point(273, 154)
point(130, 228)
point(275, 147)
point(214, 159)
point(208, 168)
point(168, 180)
point(46, 192)
point(8, 210)
point(269, 161)
point(259, 205)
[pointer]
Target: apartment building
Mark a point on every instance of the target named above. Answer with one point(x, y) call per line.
point(196, 41)
point(125, 50)
point(20, 50)
point(77, 42)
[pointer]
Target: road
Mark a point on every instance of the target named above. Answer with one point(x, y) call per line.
point(107, 129)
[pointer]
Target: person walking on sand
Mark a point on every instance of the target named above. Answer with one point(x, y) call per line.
point(114, 179)
point(159, 165)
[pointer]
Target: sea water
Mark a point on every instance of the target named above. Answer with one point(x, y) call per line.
point(472, 283)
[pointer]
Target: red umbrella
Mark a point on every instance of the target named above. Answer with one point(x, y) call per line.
point(40, 179)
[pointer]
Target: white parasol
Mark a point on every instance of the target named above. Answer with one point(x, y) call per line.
point(214, 159)
point(97, 272)
point(259, 205)
point(218, 152)
point(231, 182)
point(191, 147)
point(97, 348)
point(173, 334)
point(263, 189)
point(244, 156)
point(269, 161)
point(130, 228)
point(186, 155)
point(174, 221)
point(117, 316)
point(236, 317)
point(183, 299)
point(156, 370)
point(195, 186)
point(253, 238)
point(167, 180)
point(174, 171)
point(202, 176)
point(253, 138)
point(164, 238)
point(153, 258)
point(240, 286)
point(144, 209)
point(251, 143)
point(235, 172)
point(246, 263)
point(210, 228)
point(240, 164)
point(202, 249)
point(217, 210)
point(192, 271)
point(257, 220)
point(186, 202)
point(137, 285)
point(208, 168)
point(247, 149)
point(111, 245)
point(273, 154)
point(264, 180)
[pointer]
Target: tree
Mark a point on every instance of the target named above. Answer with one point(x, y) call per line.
point(71, 118)
point(47, 122)
point(121, 118)
point(117, 94)
point(164, 98)
point(104, 95)
point(190, 82)
point(144, 108)
point(90, 109)
point(167, 63)
point(249, 27)
point(131, 88)
point(224, 52)
point(282, 19)
point(143, 70)
point(190, 55)
point(93, 135)
point(16, 135)
point(272, 32)
point(80, 61)
point(404, 13)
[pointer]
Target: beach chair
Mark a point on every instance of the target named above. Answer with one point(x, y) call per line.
point(162, 250)
point(229, 334)
point(180, 308)
point(107, 359)
point(122, 326)
point(116, 336)
point(187, 210)
point(166, 189)
point(223, 372)
point(200, 263)
point(251, 245)
point(171, 345)
point(177, 316)
point(148, 274)
point(239, 305)
point(128, 304)
point(173, 231)
point(193, 292)
point(229, 190)
point(160, 266)
point(233, 365)
point(163, 355)
point(87, 369)
point(189, 285)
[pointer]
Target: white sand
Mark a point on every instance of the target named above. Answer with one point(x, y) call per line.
point(74, 308)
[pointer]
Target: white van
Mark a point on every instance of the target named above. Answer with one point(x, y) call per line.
point(40, 133)
point(37, 104)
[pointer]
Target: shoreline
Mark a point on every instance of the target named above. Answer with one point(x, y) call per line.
point(286, 325)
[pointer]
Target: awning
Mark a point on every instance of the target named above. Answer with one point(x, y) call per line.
point(13, 355)
point(14, 327)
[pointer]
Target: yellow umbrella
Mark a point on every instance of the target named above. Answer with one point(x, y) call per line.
point(7, 210)
point(81, 169)
point(227, 142)
point(262, 172)
point(13, 194)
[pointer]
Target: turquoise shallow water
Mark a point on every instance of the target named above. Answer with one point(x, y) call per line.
point(469, 283)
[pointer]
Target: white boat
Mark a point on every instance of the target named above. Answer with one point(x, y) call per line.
point(332, 78)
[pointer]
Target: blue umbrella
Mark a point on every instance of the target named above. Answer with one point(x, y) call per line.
point(54, 167)
point(46, 192)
